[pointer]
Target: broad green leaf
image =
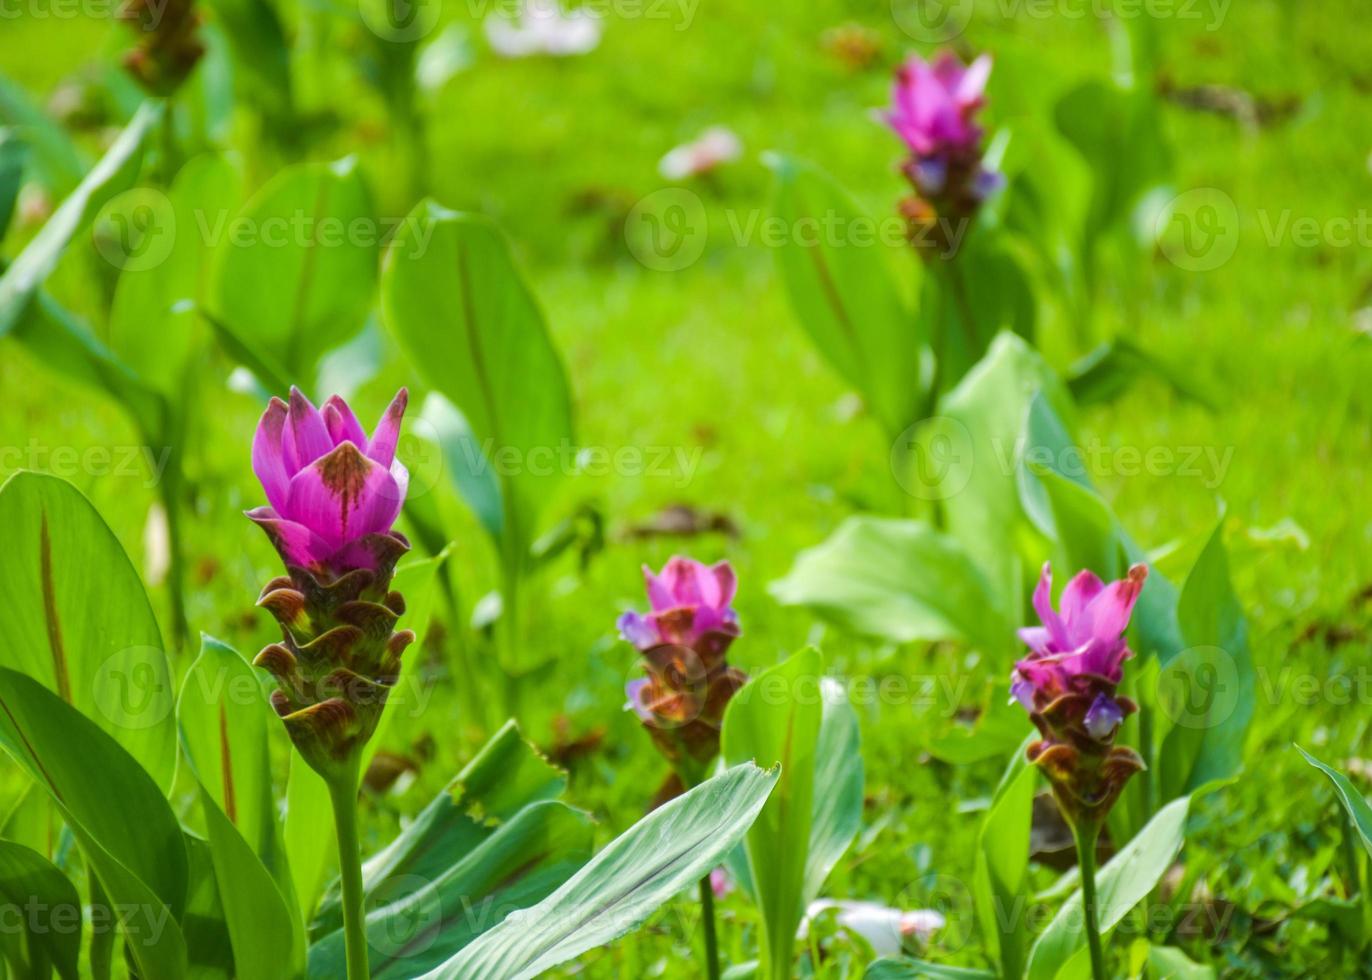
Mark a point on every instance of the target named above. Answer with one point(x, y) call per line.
point(50, 920)
point(1107, 372)
point(260, 55)
point(1170, 963)
point(775, 718)
point(898, 580)
point(458, 305)
point(267, 937)
point(999, 883)
point(13, 153)
point(836, 815)
point(907, 969)
point(307, 243)
point(417, 921)
point(116, 170)
point(507, 775)
point(154, 320)
point(1208, 691)
point(462, 455)
point(308, 833)
point(118, 815)
point(968, 302)
point(1126, 880)
point(971, 449)
point(843, 295)
point(225, 720)
point(204, 925)
point(78, 621)
point(66, 345)
point(57, 162)
point(1354, 803)
point(667, 851)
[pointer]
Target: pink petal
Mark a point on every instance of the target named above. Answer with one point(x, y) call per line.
point(660, 595)
point(684, 579)
point(1037, 639)
point(268, 458)
point(309, 435)
point(296, 543)
point(1043, 605)
point(725, 582)
point(1084, 587)
point(342, 423)
point(387, 433)
point(971, 87)
point(343, 496)
point(1108, 614)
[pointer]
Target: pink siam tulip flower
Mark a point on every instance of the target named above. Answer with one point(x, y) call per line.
point(689, 600)
point(684, 642)
point(933, 106)
point(1069, 683)
point(332, 492)
point(1084, 640)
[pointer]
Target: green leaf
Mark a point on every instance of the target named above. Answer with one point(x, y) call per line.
point(1125, 881)
point(1107, 372)
point(117, 814)
point(977, 482)
point(261, 57)
point(154, 320)
point(457, 304)
point(78, 621)
point(50, 924)
point(464, 459)
point(307, 244)
point(844, 297)
point(999, 884)
point(898, 580)
point(776, 718)
point(226, 720)
point(1208, 691)
point(265, 932)
point(507, 775)
point(836, 816)
point(665, 852)
point(419, 920)
point(1170, 963)
point(13, 153)
point(57, 161)
point(309, 833)
point(116, 171)
point(1354, 803)
point(907, 969)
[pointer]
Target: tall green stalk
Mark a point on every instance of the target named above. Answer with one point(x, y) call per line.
point(707, 910)
point(343, 796)
point(1087, 834)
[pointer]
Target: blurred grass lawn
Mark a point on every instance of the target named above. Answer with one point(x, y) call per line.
point(709, 358)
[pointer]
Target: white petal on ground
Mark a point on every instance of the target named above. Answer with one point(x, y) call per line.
point(544, 28)
point(716, 146)
point(883, 927)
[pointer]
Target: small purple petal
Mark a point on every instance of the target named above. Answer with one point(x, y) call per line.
point(634, 692)
point(342, 423)
point(387, 433)
point(268, 459)
point(1103, 717)
point(1022, 690)
point(638, 630)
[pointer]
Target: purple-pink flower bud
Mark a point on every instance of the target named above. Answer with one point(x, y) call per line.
point(332, 492)
point(689, 599)
point(933, 106)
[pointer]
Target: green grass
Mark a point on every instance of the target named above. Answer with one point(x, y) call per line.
point(708, 360)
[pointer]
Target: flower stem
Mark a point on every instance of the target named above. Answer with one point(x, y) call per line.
point(1087, 834)
point(343, 795)
point(707, 910)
